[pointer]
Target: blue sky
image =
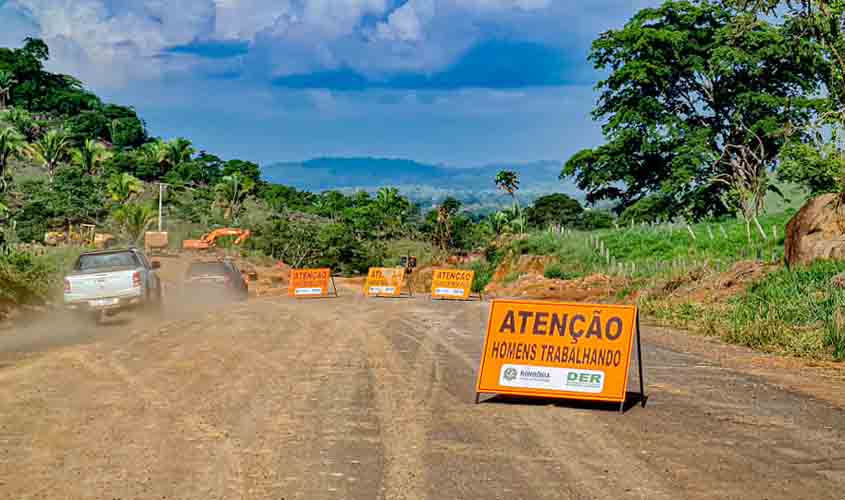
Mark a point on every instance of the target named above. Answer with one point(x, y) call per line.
point(459, 82)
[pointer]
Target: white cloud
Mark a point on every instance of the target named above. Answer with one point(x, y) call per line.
point(407, 23)
point(110, 43)
point(504, 4)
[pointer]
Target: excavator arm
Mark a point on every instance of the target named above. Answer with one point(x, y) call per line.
point(210, 239)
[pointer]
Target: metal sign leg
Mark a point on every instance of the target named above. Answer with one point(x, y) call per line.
point(640, 362)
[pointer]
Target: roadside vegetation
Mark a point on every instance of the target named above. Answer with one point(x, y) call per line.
point(713, 138)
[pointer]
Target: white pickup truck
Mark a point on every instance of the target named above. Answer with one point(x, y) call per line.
point(104, 283)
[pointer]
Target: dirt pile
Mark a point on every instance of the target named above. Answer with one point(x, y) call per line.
point(706, 286)
point(817, 231)
point(593, 288)
point(524, 265)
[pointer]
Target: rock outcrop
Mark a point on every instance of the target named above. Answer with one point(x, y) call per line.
point(817, 231)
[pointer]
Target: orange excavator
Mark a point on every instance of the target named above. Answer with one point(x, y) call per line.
point(210, 240)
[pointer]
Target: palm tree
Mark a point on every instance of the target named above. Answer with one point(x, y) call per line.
point(134, 219)
point(90, 156)
point(12, 145)
point(51, 151)
point(7, 81)
point(232, 191)
point(121, 187)
point(508, 181)
point(177, 152)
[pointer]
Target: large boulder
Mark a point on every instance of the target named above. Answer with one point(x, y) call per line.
point(817, 231)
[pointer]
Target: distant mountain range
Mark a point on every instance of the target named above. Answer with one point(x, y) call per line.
point(424, 183)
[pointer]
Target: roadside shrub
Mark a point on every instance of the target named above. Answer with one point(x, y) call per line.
point(26, 278)
point(483, 274)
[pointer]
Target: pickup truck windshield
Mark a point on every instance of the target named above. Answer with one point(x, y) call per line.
point(100, 261)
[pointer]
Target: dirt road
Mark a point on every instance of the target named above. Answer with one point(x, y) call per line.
point(352, 398)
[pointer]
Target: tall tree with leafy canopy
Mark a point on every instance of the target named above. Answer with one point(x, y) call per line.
point(508, 181)
point(12, 145)
point(231, 192)
point(687, 82)
point(51, 151)
point(822, 21)
point(553, 209)
point(7, 80)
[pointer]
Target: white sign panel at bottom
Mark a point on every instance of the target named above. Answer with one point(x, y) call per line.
point(551, 378)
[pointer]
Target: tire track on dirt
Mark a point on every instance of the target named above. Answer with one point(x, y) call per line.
point(480, 434)
point(403, 395)
point(291, 415)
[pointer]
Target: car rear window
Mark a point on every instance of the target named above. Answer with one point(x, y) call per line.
point(102, 261)
point(207, 269)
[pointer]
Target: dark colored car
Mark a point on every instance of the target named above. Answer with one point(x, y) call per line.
point(218, 279)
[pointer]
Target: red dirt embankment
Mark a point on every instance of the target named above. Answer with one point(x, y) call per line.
point(523, 278)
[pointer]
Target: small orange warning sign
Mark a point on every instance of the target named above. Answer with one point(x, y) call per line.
point(309, 283)
point(451, 284)
point(384, 282)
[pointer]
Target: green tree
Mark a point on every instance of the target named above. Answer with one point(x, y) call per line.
point(821, 21)
point(231, 192)
point(134, 219)
point(817, 165)
point(508, 181)
point(51, 151)
point(690, 85)
point(90, 156)
point(596, 219)
point(553, 209)
point(121, 187)
point(22, 121)
point(7, 81)
point(12, 145)
point(246, 169)
point(177, 152)
point(72, 198)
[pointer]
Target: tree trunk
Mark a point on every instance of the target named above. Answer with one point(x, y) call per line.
point(748, 230)
point(760, 228)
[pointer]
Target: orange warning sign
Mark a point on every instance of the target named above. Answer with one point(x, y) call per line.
point(454, 284)
point(384, 282)
point(307, 283)
point(574, 351)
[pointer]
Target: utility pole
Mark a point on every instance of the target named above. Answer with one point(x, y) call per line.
point(160, 196)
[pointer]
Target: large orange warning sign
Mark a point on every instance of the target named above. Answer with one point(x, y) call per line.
point(384, 282)
point(558, 350)
point(451, 284)
point(309, 283)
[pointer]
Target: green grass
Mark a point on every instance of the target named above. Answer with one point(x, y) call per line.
point(798, 312)
point(657, 250)
point(556, 272)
